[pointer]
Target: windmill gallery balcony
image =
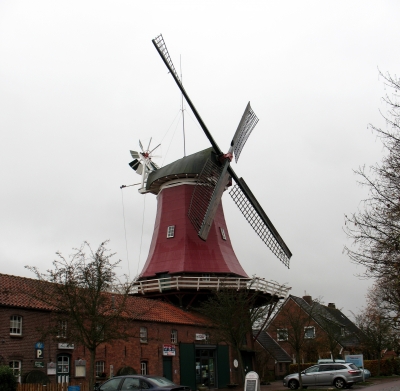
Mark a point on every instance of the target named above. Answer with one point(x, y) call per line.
point(180, 283)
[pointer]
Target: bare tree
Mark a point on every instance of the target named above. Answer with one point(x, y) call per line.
point(376, 325)
point(291, 324)
point(233, 313)
point(375, 229)
point(84, 292)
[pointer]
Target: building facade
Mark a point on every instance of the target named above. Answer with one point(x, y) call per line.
point(165, 340)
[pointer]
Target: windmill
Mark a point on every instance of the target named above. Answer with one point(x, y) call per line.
point(192, 187)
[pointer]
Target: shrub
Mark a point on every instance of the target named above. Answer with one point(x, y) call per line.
point(7, 379)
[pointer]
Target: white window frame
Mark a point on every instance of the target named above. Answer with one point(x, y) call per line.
point(170, 231)
point(222, 233)
point(143, 334)
point(100, 365)
point(143, 367)
point(282, 334)
point(62, 329)
point(206, 277)
point(15, 325)
point(16, 365)
point(306, 330)
point(174, 336)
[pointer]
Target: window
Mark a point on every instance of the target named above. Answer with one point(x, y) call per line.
point(342, 331)
point(309, 332)
point(174, 336)
point(206, 277)
point(15, 365)
point(16, 325)
point(100, 331)
point(143, 334)
point(171, 231)
point(282, 335)
point(143, 367)
point(62, 329)
point(222, 233)
point(100, 368)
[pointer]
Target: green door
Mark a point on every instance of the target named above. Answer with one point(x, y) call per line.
point(187, 365)
point(223, 369)
point(167, 367)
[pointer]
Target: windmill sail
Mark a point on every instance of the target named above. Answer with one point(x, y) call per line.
point(259, 221)
point(207, 195)
point(208, 191)
point(246, 125)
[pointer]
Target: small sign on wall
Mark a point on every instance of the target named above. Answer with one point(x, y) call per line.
point(201, 337)
point(66, 346)
point(168, 350)
point(80, 368)
point(39, 348)
point(51, 368)
point(39, 364)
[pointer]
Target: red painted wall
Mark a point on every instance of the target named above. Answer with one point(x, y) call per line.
point(186, 252)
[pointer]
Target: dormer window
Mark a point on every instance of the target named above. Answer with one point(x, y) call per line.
point(171, 231)
point(222, 233)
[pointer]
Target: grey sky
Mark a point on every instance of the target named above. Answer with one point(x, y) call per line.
point(80, 83)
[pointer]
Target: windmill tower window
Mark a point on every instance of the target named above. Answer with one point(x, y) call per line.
point(222, 233)
point(171, 231)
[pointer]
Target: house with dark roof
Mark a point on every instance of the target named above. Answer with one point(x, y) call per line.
point(271, 356)
point(323, 331)
point(167, 341)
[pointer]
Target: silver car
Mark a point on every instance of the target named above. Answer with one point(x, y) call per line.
point(341, 375)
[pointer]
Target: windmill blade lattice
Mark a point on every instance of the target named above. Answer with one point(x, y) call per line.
point(203, 193)
point(159, 42)
point(246, 125)
point(260, 222)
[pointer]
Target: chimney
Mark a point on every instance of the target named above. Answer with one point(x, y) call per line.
point(307, 299)
point(332, 305)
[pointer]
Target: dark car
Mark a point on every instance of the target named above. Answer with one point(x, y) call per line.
point(341, 375)
point(140, 382)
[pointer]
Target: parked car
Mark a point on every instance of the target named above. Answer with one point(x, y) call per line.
point(140, 382)
point(367, 373)
point(341, 375)
point(329, 360)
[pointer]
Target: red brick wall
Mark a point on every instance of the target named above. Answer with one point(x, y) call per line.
point(118, 354)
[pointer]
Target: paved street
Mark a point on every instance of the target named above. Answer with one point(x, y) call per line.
point(387, 384)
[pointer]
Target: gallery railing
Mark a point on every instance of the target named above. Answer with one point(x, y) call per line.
point(255, 284)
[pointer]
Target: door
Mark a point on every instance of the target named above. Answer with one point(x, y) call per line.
point(167, 367)
point(63, 368)
point(205, 367)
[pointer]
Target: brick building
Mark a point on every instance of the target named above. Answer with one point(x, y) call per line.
point(318, 324)
point(166, 341)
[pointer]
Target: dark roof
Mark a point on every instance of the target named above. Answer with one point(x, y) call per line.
point(186, 167)
point(353, 333)
point(271, 346)
point(19, 292)
point(322, 313)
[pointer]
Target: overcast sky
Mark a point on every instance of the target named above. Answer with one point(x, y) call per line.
point(81, 83)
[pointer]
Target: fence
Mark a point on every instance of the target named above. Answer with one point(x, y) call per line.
point(216, 283)
point(84, 386)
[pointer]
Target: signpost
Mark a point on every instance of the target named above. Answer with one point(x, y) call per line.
point(356, 359)
point(39, 347)
point(252, 382)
